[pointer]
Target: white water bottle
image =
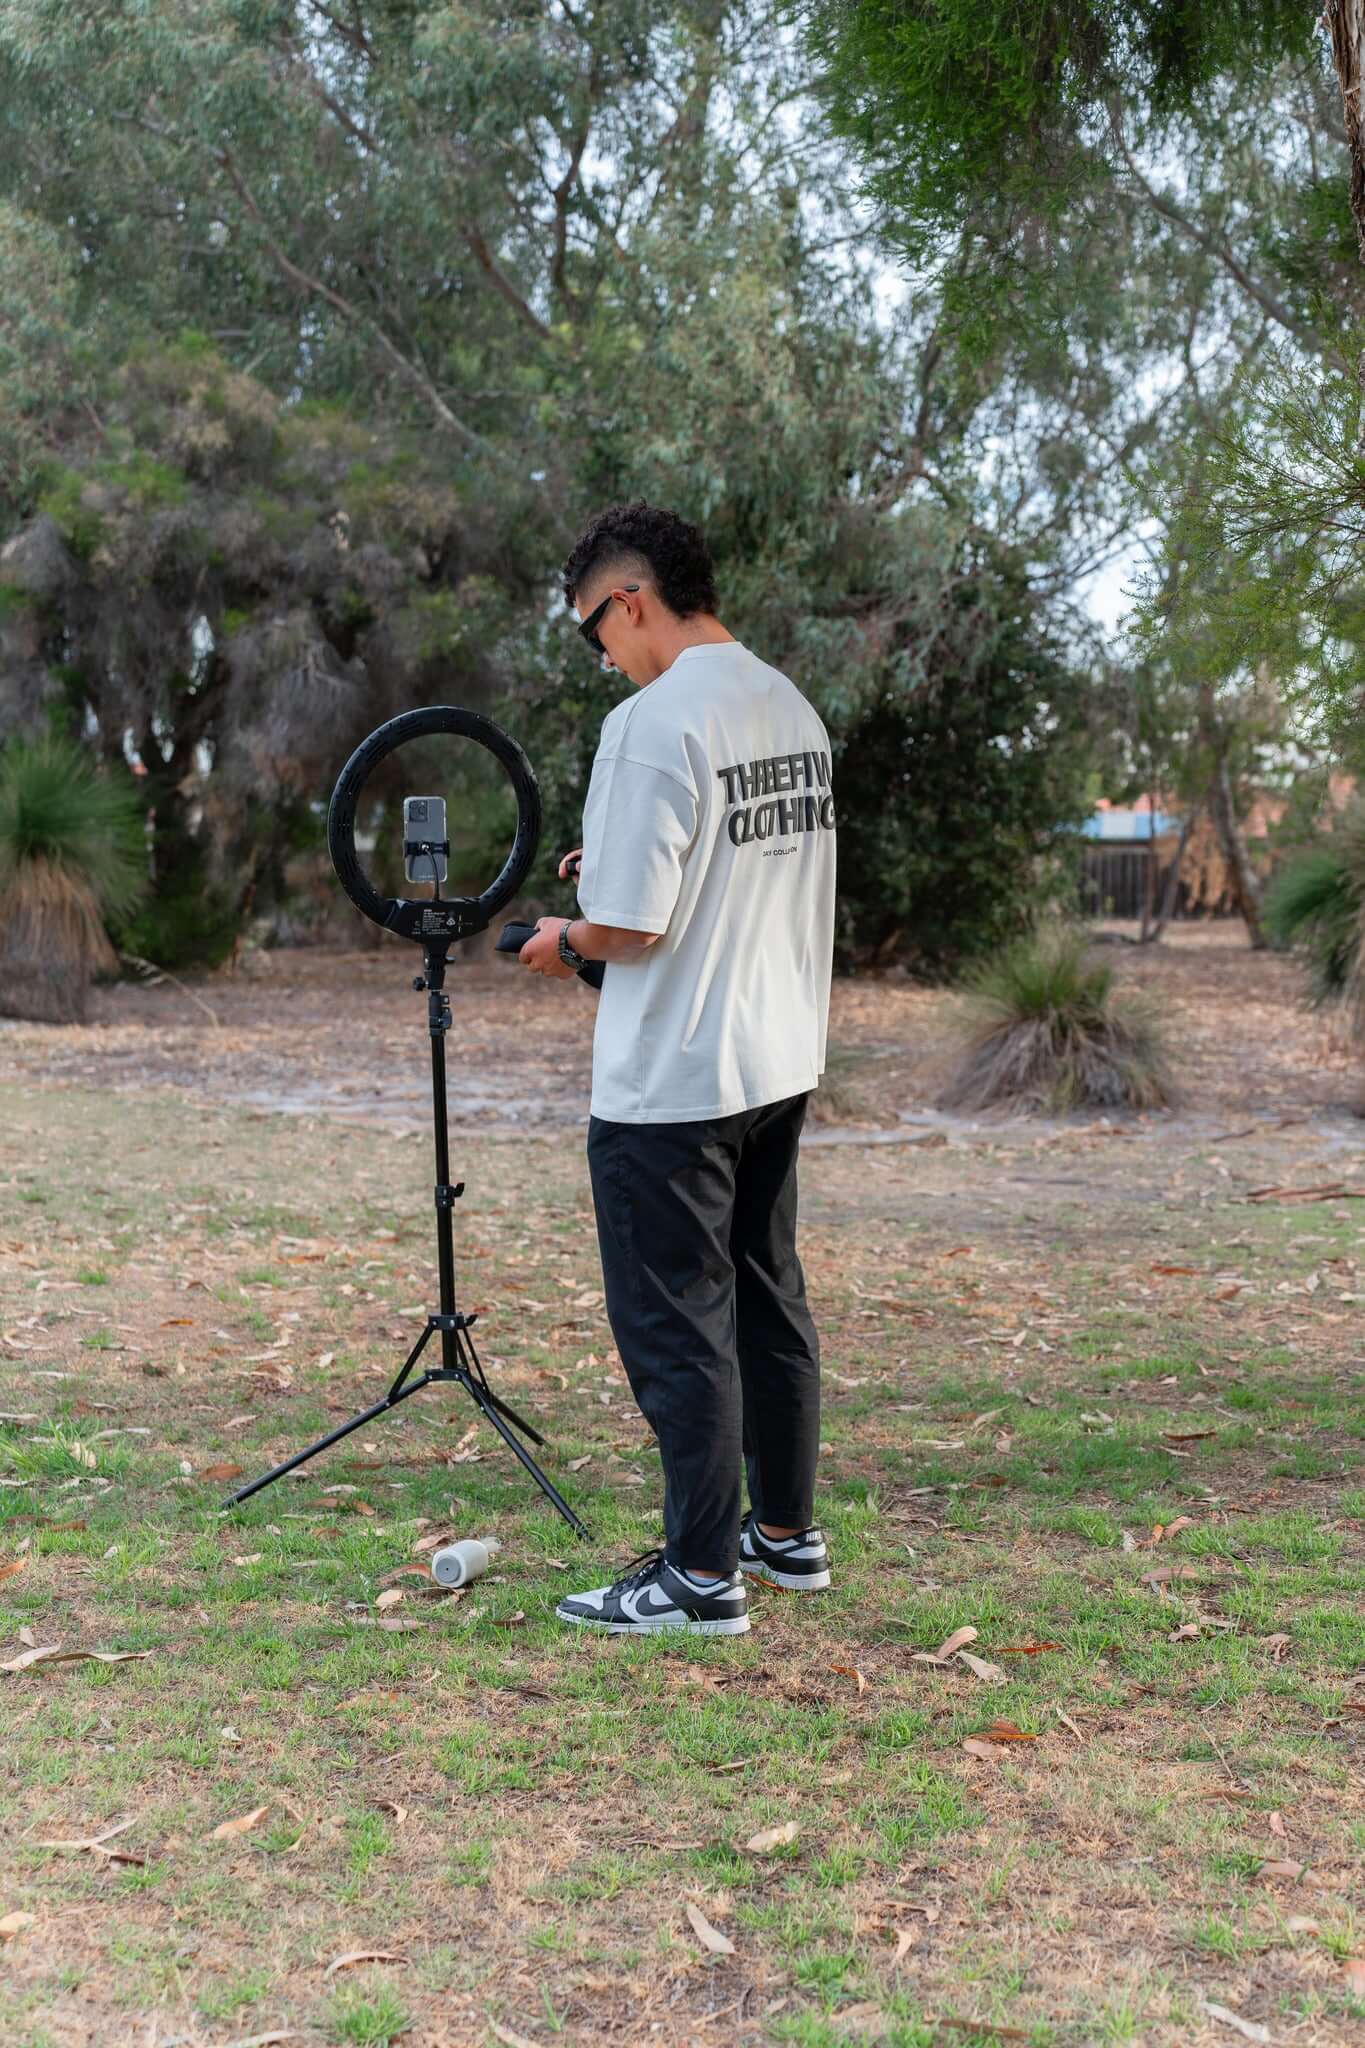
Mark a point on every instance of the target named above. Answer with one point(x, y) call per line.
point(457, 1563)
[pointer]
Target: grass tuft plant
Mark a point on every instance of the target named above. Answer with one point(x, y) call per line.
point(72, 855)
point(1317, 903)
point(1046, 1031)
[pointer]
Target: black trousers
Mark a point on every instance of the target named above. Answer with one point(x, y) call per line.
point(707, 1303)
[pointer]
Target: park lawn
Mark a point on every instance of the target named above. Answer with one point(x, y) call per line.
point(1083, 1397)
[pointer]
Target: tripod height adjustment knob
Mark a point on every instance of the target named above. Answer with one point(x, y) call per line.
point(419, 984)
point(446, 1196)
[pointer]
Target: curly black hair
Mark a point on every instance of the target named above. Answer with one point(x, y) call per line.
point(673, 551)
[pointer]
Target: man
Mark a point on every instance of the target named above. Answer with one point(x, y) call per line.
point(707, 884)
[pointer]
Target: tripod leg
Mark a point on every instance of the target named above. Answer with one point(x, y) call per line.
point(390, 1400)
point(551, 1492)
point(512, 1415)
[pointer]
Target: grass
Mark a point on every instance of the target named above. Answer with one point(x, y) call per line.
point(1026, 1418)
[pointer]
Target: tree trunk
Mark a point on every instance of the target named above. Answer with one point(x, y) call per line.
point(1246, 889)
point(1345, 20)
point(1149, 881)
point(1170, 893)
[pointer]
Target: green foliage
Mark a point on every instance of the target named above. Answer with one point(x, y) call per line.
point(1317, 902)
point(1137, 221)
point(1271, 542)
point(61, 814)
point(1048, 1032)
point(191, 921)
point(337, 484)
point(957, 779)
point(952, 100)
point(73, 857)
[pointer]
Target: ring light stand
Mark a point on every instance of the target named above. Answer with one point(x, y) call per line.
point(436, 924)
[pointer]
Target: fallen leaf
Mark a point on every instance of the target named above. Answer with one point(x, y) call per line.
point(1006, 1731)
point(220, 1472)
point(390, 1598)
point(1301, 1923)
point(1188, 1632)
point(95, 1844)
point(1277, 1645)
point(511, 1620)
point(177, 1322)
point(1282, 1868)
point(996, 2032)
point(1185, 1436)
point(15, 1923)
point(16, 1564)
point(1188, 1270)
point(1250, 2030)
point(1165, 1529)
point(398, 1625)
point(710, 1937)
point(577, 1464)
point(947, 1649)
point(1277, 1826)
point(360, 1955)
point(397, 1813)
point(990, 1672)
point(55, 1654)
point(768, 1839)
point(851, 1671)
point(905, 1940)
point(1026, 1649)
point(227, 1830)
point(1353, 1975)
point(984, 1752)
point(251, 1557)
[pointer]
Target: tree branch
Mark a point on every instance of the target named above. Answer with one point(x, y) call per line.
point(502, 284)
point(1215, 246)
point(352, 32)
point(410, 372)
point(560, 195)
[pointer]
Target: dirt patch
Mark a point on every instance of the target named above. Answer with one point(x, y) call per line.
point(343, 1034)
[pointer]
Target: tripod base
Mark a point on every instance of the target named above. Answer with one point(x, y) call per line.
point(470, 1377)
point(459, 1359)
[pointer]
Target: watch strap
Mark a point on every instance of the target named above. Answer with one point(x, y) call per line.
point(566, 951)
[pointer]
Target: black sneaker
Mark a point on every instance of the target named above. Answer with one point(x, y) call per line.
point(799, 1564)
point(655, 1595)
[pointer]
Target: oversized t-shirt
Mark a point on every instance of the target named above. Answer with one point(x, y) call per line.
point(710, 820)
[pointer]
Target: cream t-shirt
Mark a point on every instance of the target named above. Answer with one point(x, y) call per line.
point(710, 819)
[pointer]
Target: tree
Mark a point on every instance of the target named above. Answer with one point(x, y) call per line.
point(551, 256)
point(231, 592)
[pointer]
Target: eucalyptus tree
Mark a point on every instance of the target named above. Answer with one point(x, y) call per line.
point(538, 256)
point(1160, 210)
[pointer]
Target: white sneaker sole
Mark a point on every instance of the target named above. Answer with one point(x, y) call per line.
point(730, 1625)
point(790, 1582)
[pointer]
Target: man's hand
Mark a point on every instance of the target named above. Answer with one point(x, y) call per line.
point(541, 952)
point(570, 864)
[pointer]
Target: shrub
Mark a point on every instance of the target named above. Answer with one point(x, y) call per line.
point(1047, 1032)
point(1317, 903)
point(72, 855)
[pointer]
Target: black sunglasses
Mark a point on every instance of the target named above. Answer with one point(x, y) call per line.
point(588, 627)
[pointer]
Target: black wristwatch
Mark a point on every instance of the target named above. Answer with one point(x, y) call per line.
point(566, 951)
